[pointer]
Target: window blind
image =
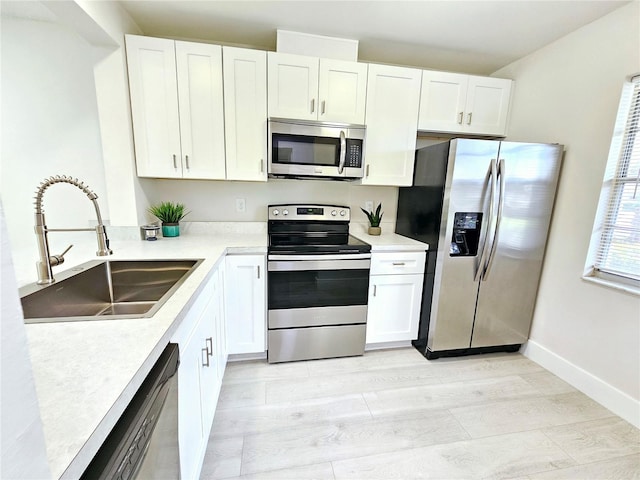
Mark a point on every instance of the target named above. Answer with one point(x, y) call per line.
point(618, 252)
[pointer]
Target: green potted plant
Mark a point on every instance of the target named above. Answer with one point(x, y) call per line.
point(169, 214)
point(375, 217)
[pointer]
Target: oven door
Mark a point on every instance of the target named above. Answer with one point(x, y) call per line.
point(313, 290)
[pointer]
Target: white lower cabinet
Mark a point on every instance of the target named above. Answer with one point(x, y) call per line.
point(245, 295)
point(395, 296)
point(202, 362)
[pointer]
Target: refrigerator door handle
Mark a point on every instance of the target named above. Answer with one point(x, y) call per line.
point(490, 180)
point(494, 243)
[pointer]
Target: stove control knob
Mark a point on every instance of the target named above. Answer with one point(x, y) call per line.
point(285, 212)
point(333, 213)
point(276, 212)
point(342, 213)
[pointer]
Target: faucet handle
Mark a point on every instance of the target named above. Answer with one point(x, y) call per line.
point(59, 259)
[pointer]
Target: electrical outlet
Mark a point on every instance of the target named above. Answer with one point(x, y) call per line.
point(241, 205)
point(368, 206)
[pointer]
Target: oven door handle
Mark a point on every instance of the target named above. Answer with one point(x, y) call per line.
point(337, 256)
point(297, 266)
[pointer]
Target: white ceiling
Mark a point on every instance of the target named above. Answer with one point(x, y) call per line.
point(467, 36)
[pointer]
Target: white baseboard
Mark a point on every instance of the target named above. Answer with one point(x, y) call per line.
point(607, 395)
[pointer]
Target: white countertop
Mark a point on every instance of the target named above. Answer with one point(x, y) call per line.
point(87, 372)
point(387, 241)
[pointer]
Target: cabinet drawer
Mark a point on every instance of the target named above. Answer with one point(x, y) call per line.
point(391, 263)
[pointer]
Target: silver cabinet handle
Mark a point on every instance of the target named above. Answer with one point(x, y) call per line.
point(205, 362)
point(398, 264)
point(175, 165)
point(375, 290)
point(469, 118)
point(313, 105)
point(186, 159)
point(209, 342)
point(262, 165)
point(323, 107)
point(258, 268)
point(460, 117)
point(367, 172)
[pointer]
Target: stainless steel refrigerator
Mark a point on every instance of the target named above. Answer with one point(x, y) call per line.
point(484, 207)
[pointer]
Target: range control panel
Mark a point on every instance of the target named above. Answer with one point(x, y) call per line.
point(304, 212)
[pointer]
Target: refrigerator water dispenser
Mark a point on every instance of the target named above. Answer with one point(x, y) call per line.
point(466, 234)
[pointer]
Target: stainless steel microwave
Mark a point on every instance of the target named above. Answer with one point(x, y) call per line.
point(308, 149)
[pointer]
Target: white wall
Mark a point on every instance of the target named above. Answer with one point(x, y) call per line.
point(49, 126)
point(568, 92)
point(23, 447)
point(211, 201)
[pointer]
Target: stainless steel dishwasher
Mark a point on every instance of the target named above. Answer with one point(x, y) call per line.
point(144, 442)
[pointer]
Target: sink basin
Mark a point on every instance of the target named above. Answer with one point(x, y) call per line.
point(105, 290)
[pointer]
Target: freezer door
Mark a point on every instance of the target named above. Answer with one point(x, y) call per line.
point(528, 177)
point(455, 289)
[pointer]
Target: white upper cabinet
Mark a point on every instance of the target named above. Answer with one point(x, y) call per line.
point(393, 97)
point(309, 88)
point(293, 86)
point(200, 102)
point(245, 113)
point(177, 108)
point(342, 91)
point(453, 102)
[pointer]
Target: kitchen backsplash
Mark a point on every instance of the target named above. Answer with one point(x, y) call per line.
point(216, 201)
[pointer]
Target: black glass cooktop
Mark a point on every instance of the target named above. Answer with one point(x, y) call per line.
point(316, 243)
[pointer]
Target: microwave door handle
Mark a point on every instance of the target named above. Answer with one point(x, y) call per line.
point(343, 151)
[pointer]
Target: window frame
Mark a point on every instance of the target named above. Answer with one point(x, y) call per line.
point(617, 175)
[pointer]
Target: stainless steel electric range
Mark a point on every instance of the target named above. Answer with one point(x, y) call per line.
point(318, 284)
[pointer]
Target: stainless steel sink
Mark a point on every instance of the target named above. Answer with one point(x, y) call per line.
point(106, 290)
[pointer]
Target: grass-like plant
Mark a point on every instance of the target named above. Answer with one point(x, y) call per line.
point(168, 212)
point(375, 217)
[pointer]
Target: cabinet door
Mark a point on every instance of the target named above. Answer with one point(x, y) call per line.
point(209, 380)
point(487, 105)
point(190, 432)
point(442, 101)
point(293, 86)
point(342, 91)
point(393, 97)
point(153, 88)
point(199, 71)
point(245, 112)
point(221, 326)
point(245, 295)
point(394, 308)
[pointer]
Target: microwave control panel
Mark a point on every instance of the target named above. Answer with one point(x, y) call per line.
point(354, 153)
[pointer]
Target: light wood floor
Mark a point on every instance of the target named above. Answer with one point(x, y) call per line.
point(394, 415)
